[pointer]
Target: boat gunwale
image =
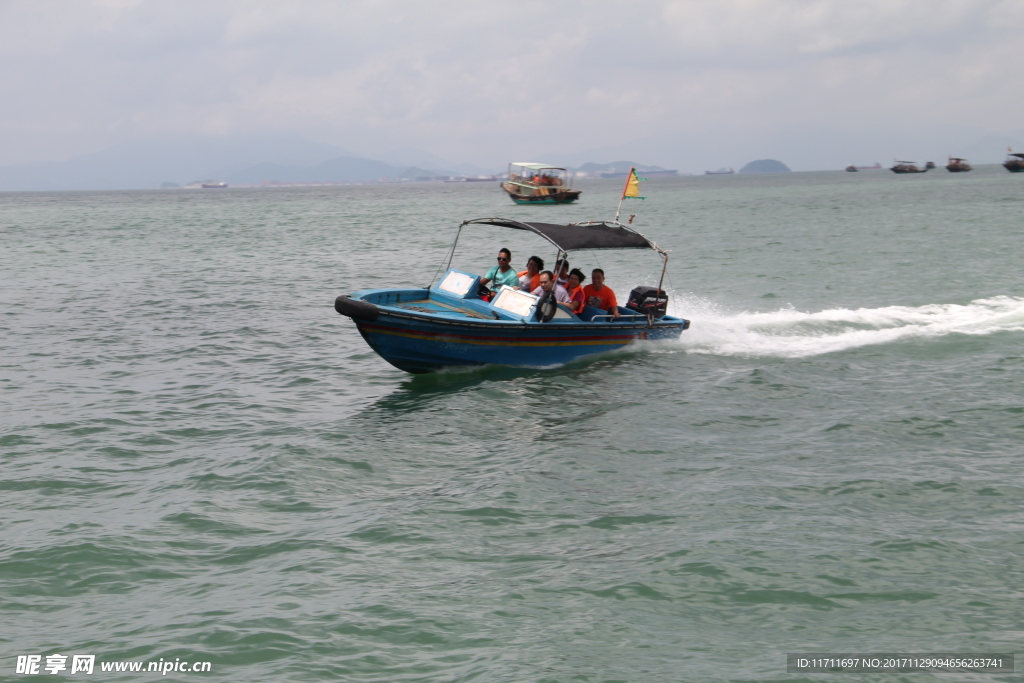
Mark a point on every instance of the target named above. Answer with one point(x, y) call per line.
point(559, 324)
point(526, 324)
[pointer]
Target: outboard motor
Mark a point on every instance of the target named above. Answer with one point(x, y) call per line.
point(650, 301)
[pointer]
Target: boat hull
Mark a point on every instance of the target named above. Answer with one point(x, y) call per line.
point(420, 346)
point(560, 198)
point(555, 197)
point(1014, 166)
point(423, 343)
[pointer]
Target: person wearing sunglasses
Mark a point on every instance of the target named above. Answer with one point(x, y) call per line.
point(502, 273)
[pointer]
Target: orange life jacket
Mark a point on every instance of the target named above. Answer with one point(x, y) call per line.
point(582, 300)
point(534, 281)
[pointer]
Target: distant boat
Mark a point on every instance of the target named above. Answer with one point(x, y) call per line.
point(908, 167)
point(852, 169)
point(721, 171)
point(958, 165)
point(533, 183)
point(1014, 162)
point(929, 165)
point(649, 174)
point(215, 185)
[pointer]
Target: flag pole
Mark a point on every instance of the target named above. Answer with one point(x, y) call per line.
point(629, 176)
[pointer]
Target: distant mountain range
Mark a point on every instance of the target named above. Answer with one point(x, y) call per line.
point(339, 170)
point(765, 166)
point(617, 167)
point(240, 160)
point(235, 159)
point(288, 158)
point(696, 150)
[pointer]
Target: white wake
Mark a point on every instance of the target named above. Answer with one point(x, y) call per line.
point(790, 333)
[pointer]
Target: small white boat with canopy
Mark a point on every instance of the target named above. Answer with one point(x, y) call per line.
point(533, 183)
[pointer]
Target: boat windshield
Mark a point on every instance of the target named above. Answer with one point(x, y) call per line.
point(515, 301)
point(457, 283)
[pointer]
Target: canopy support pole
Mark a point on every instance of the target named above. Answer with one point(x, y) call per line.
point(664, 265)
point(560, 258)
point(451, 255)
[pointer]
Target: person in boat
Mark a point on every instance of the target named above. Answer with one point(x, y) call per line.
point(529, 279)
point(599, 296)
point(501, 274)
point(547, 282)
point(575, 289)
point(563, 275)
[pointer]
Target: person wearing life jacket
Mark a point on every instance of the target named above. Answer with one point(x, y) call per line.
point(529, 279)
point(577, 300)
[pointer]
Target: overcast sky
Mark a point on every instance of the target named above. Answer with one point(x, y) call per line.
point(489, 82)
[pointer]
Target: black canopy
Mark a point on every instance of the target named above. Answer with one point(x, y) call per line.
point(578, 236)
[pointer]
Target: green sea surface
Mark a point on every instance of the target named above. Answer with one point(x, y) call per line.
point(202, 461)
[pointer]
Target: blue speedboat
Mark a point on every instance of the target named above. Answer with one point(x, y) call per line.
point(452, 324)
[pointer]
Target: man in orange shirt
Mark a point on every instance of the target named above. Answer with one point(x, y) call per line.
point(599, 296)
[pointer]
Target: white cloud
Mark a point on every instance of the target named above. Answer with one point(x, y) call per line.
point(481, 81)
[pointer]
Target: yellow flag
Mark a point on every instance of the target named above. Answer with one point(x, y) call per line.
point(632, 188)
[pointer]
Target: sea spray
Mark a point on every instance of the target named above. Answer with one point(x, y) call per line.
point(790, 333)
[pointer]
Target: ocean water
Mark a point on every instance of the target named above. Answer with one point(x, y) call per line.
point(202, 461)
